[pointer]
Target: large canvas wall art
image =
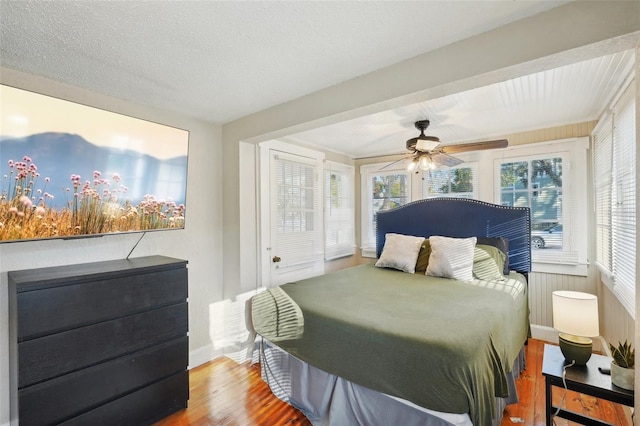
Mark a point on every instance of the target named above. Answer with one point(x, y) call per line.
point(69, 170)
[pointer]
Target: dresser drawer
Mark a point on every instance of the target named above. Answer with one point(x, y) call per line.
point(61, 353)
point(140, 408)
point(62, 398)
point(70, 306)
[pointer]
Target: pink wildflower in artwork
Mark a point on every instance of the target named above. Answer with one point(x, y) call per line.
point(40, 211)
point(26, 201)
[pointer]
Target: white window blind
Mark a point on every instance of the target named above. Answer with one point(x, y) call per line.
point(623, 196)
point(460, 181)
point(615, 176)
point(339, 212)
point(603, 178)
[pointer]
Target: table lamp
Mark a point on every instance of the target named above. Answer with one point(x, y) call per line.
point(575, 316)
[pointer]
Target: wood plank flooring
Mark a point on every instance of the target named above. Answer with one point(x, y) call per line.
point(224, 393)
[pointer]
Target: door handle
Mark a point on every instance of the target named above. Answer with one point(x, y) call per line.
point(276, 259)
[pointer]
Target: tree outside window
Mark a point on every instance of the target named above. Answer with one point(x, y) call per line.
point(450, 182)
point(388, 191)
point(536, 184)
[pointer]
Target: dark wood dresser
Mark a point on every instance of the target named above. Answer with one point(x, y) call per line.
point(100, 343)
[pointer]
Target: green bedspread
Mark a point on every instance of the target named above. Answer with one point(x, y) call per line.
point(442, 344)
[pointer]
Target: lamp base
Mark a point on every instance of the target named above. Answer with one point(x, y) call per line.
point(575, 348)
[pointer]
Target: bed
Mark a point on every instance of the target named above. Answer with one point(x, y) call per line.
point(386, 344)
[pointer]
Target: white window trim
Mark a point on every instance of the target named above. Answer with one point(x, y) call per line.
point(349, 171)
point(368, 248)
point(574, 151)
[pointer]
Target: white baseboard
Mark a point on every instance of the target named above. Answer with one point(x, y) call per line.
point(203, 355)
point(550, 335)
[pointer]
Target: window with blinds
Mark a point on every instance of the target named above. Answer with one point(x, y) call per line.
point(615, 184)
point(603, 178)
point(460, 181)
point(339, 214)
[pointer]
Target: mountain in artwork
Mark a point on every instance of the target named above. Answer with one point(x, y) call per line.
point(60, 155)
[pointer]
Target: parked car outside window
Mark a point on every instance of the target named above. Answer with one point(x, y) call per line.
point(550, 237)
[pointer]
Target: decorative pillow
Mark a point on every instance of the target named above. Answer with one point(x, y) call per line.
point(400, 252)
point(423, 257)
point(502, 244)
point(452, 257)
point(499, 257)
point(485, 266)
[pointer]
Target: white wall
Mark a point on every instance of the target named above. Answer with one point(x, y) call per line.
point(200, 242)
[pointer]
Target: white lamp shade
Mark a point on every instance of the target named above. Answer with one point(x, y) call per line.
point(575, 313)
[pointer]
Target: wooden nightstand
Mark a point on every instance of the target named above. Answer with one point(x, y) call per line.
point(584, 379)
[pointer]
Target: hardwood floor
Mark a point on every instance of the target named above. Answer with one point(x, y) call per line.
point(229, 394)
point(531, 407)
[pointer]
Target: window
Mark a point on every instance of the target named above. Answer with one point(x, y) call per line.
point(460, 181)
point(381, 190)
point(295, 210)
point(614, 165)
point(549, 178)
point(338, 210)
point(537, 184)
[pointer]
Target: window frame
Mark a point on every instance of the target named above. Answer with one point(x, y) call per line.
point(335, 251)
point(573, 259)
point(368, 241)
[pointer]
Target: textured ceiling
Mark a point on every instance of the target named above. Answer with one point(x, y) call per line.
point(219, 61)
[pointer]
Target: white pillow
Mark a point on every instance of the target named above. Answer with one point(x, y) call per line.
point(452, 258)
point(400, 252)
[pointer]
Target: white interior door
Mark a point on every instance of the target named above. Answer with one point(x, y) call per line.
point(293, 232)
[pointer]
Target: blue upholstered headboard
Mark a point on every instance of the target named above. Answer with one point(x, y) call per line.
point(460, 217)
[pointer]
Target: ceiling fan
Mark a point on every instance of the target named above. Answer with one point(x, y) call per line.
point(427, 151)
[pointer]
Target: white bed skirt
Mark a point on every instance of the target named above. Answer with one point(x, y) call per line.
point(329, 400)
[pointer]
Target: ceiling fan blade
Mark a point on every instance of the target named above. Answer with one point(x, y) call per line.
point(380, 156)
point(392, 163)
point(446, 160)
point(475, 146)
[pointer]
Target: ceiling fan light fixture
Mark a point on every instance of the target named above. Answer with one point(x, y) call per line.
point(413, 165)
point(425, 162)
point(427, 143)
